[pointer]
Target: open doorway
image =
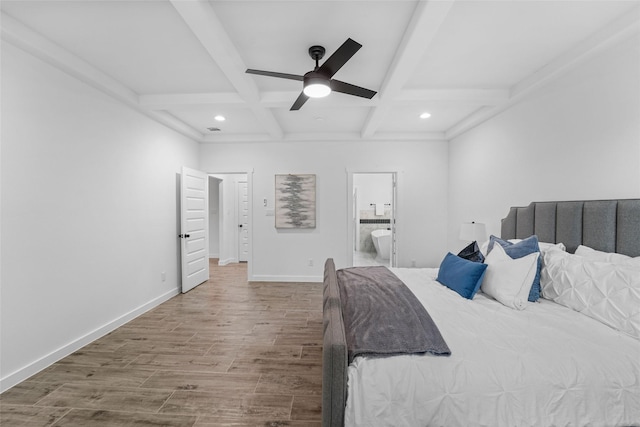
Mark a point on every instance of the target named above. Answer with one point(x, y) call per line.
point(373, 219)
point(229, 218)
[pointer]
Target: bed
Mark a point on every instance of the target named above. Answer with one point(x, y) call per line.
point(548, 364)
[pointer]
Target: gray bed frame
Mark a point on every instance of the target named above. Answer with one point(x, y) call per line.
point(605, 225)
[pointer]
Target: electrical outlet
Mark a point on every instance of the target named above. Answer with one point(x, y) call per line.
point(310, 262)
point(163, 276)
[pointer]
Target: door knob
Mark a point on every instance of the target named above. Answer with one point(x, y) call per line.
point(183, 236)
point(240, 225)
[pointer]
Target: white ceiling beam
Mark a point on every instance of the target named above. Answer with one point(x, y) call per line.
point(618, 30)
point(291, 137)
point(273, 99)
point(413, 136)
point(23, 37)
point(324, 137)
point(176, 124)
point(28, 40)
point(355, 136)
point(166, 101)
point(458, 96)
point(422, 29)
point(404, 97)
point(206, 26)
point(237, 137)
point(284, 99)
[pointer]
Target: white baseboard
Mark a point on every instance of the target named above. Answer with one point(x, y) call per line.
point(228, 261)
point(214, 255)
point(33, 368)
point(273, 278)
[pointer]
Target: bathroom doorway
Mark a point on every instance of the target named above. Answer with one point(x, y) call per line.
point(373, 219)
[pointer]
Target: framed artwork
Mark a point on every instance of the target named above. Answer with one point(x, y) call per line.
point(295, 201)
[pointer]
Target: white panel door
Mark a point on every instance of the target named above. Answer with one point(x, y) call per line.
point(194, 234)
point(394, 204)
point(243, 221)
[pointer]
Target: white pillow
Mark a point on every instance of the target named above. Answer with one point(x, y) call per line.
point(484, 247)
point(544, 247)
point(605, 291)
point(509, 280)
point(596, 255)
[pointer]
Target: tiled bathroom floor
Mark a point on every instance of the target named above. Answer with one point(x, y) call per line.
point(362, 259)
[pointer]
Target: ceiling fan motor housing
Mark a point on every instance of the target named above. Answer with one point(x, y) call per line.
point(316, 53)
point(315, 77)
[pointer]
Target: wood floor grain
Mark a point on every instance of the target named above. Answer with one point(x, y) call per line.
point(227, 353)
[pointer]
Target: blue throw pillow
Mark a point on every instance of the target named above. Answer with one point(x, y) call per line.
point(518, 250)
point(461, 275)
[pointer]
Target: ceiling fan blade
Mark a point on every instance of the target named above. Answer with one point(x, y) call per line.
point(349, 89)
point(339, 57)
point(274, 74)
point(299, 102)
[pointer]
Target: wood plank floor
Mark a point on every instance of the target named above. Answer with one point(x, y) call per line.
point(227, 353)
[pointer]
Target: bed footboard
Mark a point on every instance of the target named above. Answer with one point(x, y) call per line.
point(334, 351)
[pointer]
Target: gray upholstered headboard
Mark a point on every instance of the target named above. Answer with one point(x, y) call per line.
point(605, 225)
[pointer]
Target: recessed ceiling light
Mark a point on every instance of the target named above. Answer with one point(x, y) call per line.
point(220, 118)
point(425, 115)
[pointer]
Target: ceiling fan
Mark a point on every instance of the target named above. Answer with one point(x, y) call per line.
point(318, 83)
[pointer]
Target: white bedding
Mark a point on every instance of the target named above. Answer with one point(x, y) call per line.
point(543, 366)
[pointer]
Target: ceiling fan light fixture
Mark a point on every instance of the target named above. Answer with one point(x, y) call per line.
point(317, 90)
point(316, 85)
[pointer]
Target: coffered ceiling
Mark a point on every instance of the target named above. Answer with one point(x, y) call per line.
point(182, 62)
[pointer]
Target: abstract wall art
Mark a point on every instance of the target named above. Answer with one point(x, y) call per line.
point(295, 201)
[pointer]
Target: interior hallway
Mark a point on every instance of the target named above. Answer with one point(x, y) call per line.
point(227, 353)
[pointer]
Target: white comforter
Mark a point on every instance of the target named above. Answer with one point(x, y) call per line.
point(543, 366)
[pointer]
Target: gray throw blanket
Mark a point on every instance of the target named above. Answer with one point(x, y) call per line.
point(383, 317)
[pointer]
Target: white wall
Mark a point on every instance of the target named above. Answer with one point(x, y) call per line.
point(373, 188)
point(284, 254)
point(89, 214)
point(577, 138)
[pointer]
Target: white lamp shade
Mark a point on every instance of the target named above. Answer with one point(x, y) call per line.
point(471, 231)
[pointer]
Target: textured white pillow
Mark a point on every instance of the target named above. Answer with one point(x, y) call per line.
point(596, 255)
point(509, 280)
point(605, 291)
